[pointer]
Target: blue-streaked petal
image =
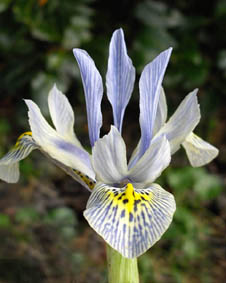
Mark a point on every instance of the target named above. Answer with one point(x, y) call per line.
point(199, 152)
point(150, 83)
point(156, 158)
point(9, 164)
point(130, 220)
point(55, 145)
point(160, 120)
point(120, 77)
point(183, 121)
point(93, 89)
point(109, 158)
point(161, 114)
point(62, 115)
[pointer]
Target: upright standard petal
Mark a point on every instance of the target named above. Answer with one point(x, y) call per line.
point(9, 164)
point(109, 158)
point(130, 220)
point(199, 152)
point(156, 158)
point(161, 114)
point(55, 145)
point(160, 120)
point(150, 83)
point(93, 89)
point(120, 77)
point(62, 115)
point(183, 121)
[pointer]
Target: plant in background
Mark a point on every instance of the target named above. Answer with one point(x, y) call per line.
point(125, 207)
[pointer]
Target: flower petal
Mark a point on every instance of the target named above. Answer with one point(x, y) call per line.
point(152, 163)
point(62, 115)
point(199, 152)
point(183, 121)
point(150, 83)
point(130, 220)
point(109, 158)
point(55, 145)
point(120, 77)
point(9, 164)
point(161, 114)
point(93, 88)
point(77, 175)
point(160, 120)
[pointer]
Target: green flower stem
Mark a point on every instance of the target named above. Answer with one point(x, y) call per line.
point(121, 269)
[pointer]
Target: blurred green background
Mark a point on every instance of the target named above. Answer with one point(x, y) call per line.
point(43, 235)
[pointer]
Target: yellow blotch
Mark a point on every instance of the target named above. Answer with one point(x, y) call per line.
point(21, 136)
point(126, 200)
point(88, 181)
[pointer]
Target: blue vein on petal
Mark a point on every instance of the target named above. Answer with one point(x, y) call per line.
point(93, 88)
point(150, 83)
point(120, 77)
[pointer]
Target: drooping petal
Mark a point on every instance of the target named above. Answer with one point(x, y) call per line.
point(93, 89)
point(130, 220)
point(62, 115)
point(9, 164)
point(156, 158)
point(55, 145)
point(10, 173)
point(199, 152)
point(161, 114)
point(183, 121)
point(150, 83)
point(77, 175)
point(120, 77)
point(109, 157)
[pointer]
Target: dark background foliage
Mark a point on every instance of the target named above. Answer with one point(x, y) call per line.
point(43, 235)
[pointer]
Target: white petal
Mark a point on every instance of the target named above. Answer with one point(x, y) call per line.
point(150, 83)
point(183, 121)
point(93, 88)
point(10, 173)
point(161, 114)
point(62, 115)
point(152, 163)
point(199, 152)
point(109, 157)
point(120, 77)
point(130, 220)
point(9, 164)
point(55, 145)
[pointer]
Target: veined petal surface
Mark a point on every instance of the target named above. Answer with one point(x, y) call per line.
point(130, 220)
point(152, 163)
point(199, 152)
point(109, 158)
point(55, 145)
point(160, 120)
point(9, 164)
point(183, 121)
point(120, 77)
point(93, 89)
point(62, 115)
point(150, 83)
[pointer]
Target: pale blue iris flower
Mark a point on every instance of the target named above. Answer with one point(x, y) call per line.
point(126, 208)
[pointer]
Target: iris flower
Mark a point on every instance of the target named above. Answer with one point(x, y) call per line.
point(126, 208)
